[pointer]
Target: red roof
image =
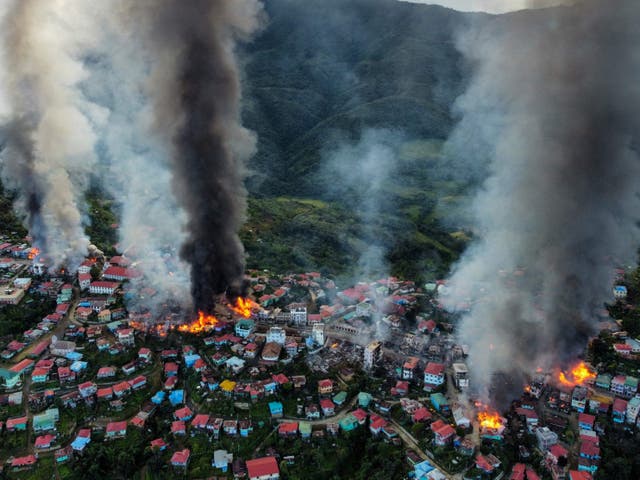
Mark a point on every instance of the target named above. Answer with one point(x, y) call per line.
point(261, 467)
point(558, 451)
point(200, 420)
point(181, 457)
point(434, 368)
point(589, 449)
point(531, 475)
point(579, 475)
point(586, 419)
point(360, 414)
point(184, 412)
point(44, 441)
point(114, 427)
point(422, 414)
point(518, 472)
point(377, 422)
point(110, 285)
point(280, 378)
point(22, 365)
point(287, 428)
point(158, 443)
point(178, 426)
point(83, 277)
point(24, 461)
point(619, 405)
point(326, 383)
point(121, 387)
point(326, 404)
point(105, 392)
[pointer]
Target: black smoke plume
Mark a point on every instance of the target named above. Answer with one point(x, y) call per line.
point(195, 92)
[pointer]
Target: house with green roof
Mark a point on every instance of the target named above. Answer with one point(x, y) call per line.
point(46, 420)
point(9, 379)
point(305, 429)
point(603, 381)
point(364, 399)
point(440, 402)
point(339, 398)
point(348, 423)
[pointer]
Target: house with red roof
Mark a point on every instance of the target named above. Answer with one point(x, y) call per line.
point(401, 388)
point(170, 369)
point(422, 414)
point(106, 372)
point(87, 389)
point(327, 406)
point(139, 382)
point(178, 427)
point(40, 375)
point(487, 463)
point(619, 411)
point(288, 429)
point(443, 432)
point(376, 424)
point(23, 463)
point(265, 468)
point(325, 386)
point(579, 475)
point(518, 472)
point(16, 424)
point(170, 383)
point(184, 414)
point(360, 415)
point(158, 444)
point(44, 441)
point(121, 389)
point(200, 421)
point(116, 429)
point(84, 280)
point(433, 375)
point(181, 458)
point(105, 393)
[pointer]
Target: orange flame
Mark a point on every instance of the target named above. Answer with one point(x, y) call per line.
point(578, 375)
point(490, 419)
point(243, 307)
point(33, 253)
point(201, 324)
point(527, 388)
point(335, 345)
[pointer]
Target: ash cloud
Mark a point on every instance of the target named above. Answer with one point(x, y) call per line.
point(49, 139)
point(195, 93)
point(554, 97)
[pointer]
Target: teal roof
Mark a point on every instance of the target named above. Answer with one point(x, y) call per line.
point(348, 423)
point(305, 428)
point(340, 397)
point(439, 398)
point(631, 382)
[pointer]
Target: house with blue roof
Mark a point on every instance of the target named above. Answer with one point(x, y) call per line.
point(276, 409)
point(176, 397)
point(158, 397)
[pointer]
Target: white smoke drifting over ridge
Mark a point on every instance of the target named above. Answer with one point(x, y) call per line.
point(554, 98)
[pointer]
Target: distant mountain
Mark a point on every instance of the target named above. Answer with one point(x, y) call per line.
point(321, 75)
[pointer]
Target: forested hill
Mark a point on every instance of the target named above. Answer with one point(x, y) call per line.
point(317, 79)
point(327, 66)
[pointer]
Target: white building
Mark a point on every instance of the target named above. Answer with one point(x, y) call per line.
point(372, 354)
point(317, 333)
point(633, 408)
point(103, 288)
point(461, 375)
point(546, 438)
point(276, 335)
point(299, 315)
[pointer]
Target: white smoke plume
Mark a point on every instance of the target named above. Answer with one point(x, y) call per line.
point(553, 97)
point(49, 140)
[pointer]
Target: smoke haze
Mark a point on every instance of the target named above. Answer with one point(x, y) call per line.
point(554, 97)
point(49, 140)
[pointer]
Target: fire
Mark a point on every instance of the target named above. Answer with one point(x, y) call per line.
point(578, 375)
point(527, 388)
point(490, 419)
point(243, 307)
point(201, 324)
point(335, 345)
point(33, 253)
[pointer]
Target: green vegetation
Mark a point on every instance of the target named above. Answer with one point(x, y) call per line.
point(102, 228)
point(10, 225)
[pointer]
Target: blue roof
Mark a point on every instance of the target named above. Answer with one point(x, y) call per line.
point(275, 407)
point(77, 366)
point(74, 356)
point(158, 397)
point(176, 397)
point(80, 442)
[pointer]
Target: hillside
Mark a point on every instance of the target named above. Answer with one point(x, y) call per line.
point(316, 82)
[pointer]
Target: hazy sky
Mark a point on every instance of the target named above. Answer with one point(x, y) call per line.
point(493, 6)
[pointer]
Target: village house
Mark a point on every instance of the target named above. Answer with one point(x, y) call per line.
point(180, 459)
point(116, 430)
point(103, 288)
point(325, 386)
point(433, 376)
point(265, 468)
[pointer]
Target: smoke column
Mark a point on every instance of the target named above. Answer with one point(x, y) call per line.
point(48, 139)
point(195, 92)
point(134, 166)
point(554, 97)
